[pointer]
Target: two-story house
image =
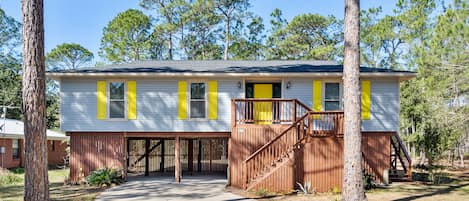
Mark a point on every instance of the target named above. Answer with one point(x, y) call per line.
point(266, 124)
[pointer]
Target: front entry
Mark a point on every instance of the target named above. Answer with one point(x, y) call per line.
point(263, 111)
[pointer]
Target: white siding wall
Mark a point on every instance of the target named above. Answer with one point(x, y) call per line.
point(157, 106)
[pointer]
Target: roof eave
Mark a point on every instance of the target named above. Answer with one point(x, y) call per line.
point(59, 76)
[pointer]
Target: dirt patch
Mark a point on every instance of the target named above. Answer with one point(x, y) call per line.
point(457, 188)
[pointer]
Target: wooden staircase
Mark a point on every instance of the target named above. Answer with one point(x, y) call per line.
point(280, 151)
point(302, 124)
point(401, 163)
point(275, 154)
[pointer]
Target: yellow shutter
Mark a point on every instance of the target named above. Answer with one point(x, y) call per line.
point(182, 100)
point(101, 101)
point(366, 100)
point(317, 95)
point(212, 99)
point(131, 100)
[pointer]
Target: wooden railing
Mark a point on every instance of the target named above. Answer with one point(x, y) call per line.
point(310, 124)
point(327, 123)
point(401, 154)
point(267, 111)
point(276, 149)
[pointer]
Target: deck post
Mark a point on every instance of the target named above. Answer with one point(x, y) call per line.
point(162, 156)
point(229, 161)
point(190, 155)
point(177, 161)
point(147, 160)
point(199, 157)
point(233, 113)
point(294, 111)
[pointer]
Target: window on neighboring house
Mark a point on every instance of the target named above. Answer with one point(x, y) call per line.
point(117, 100)
point(332, 97)
point(197, 100)
point(15, 146)
point(52, 145)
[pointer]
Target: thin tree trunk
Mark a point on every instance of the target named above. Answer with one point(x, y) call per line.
point(353, 179)
point(170, 49)
point(461, 155)
point(227, 38)
point(34, 102)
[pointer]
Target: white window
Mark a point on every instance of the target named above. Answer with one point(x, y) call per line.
point(117, 100)
point(198, 100)
point(332, 99)
point(15, 148)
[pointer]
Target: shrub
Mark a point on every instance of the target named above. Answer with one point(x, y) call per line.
point(306, 188)
point(104, 177)
point(17, 170)
point(368, 181)
point(334, 190)
point(9, 179)
point(262, 192)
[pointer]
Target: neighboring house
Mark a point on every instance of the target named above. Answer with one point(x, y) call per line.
point(12, 145)
point(269, 123)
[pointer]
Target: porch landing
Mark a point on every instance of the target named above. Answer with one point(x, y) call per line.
point(199, 187)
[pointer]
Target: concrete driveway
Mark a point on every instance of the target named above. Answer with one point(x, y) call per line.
point(203, 187)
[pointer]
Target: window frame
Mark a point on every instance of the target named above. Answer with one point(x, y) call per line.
point(108, 100)
point(189, 99)
point(340, 100)
point(17, 157)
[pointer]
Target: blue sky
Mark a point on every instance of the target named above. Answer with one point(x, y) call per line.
point(82, 21)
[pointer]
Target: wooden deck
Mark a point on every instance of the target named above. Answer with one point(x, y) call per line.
point(294, 144)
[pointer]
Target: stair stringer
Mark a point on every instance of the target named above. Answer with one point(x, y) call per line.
point(284, 169)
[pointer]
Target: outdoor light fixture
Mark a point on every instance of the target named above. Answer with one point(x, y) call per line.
point(239, 84)
point(288, 85)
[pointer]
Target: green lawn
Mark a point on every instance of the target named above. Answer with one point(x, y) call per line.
point(58, 191)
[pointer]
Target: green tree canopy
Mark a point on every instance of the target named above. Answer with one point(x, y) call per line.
point(10, 65)
point(68, 56)
point(126, 37)
point(307, 36)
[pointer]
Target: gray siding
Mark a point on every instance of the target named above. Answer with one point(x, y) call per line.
point(384, 106)
point(301, 89)
point(157, 106)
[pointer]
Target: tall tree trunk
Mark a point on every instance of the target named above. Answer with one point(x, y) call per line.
point(36, 185)
point(227, 38)
point(353, 179)
point(461, 154)
point(170, 48)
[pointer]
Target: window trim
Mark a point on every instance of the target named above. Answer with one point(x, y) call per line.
point(189, 98)
point(19, 149)
point(108, 100)
point(341, 96)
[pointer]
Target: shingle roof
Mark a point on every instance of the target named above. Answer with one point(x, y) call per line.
point(12, 128)
point(218, 66)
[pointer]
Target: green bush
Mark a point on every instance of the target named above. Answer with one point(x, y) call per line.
point(9, 179)
point(368, 181)
point(262, 192)
point(104, 177)
point(17, 170)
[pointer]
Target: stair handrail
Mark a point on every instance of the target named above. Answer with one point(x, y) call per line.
point(404, 148)
point(276, 138)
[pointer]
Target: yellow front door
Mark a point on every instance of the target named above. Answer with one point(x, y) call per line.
point(263, 110)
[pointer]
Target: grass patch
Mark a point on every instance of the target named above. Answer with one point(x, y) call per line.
point(58, 191)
